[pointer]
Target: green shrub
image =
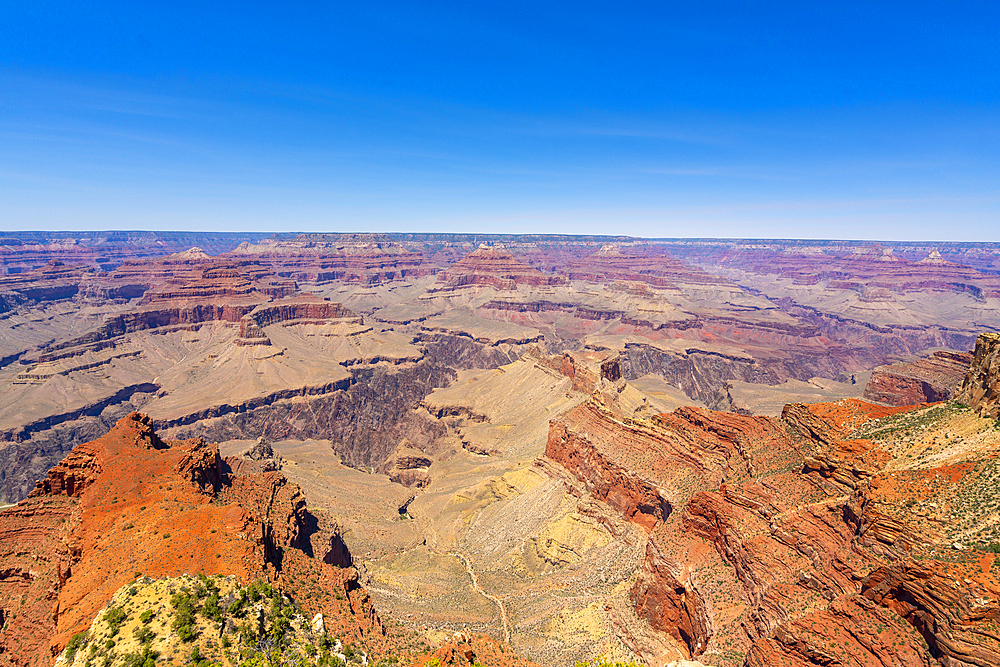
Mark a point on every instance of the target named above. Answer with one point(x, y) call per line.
point(184, 620)
point(76, 642)
point(147, 658)
point(211, 609)
point(114, 618)
point(143, 635)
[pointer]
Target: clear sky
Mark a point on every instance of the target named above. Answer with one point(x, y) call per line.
point(869, 120)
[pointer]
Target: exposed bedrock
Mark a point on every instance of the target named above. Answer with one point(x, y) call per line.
point(365, 421)
point(981, 388)
point(957, 619)
point(497, 267)
point(873, 345)
point(851, 631)
point(670, 605)
point(31, 452)
point(896, 389)
point(367, 416)
point(249, 314)
point(461, 351)
point(293, 310)
point(700, 375)
point(936, 377)
point(72, 542)
point(637, 499)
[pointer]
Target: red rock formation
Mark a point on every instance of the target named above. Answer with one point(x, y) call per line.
point(851, 631)
point(303, 309)
point(195, 291)
point(51, 282)
point(847, 462)
point(638, 264)
point(957, 617)
point(830, 422)
point(819, 536)
point(128, 504)
point(936, 377)
point(637, 499)
point(352, 260)
point(215, 278)
point(496, 267)
point(981, 388)
point(669, 605)
point(463, 650)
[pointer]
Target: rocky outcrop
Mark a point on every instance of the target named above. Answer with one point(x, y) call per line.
point(34, 449)
point(851, 631)
point(827, 423)
point(668, 604)
point(818, 531)
point(646, 264)
point(52, 282)
point(261, 450)
point(365, 417)
point(298, 310)
point(217, 278)
point(145, 319)
point(409, 467)
point(847, 462)
point(699, 374)
point(496, 267)
point(636, 498)
point(936, 377)
point(981, 388)
point(956, 618)
point(129, 503)
point(368, 261)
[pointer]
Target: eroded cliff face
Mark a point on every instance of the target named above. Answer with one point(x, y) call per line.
point(936, 377)
point(129, 504)
point(495, 267)
point(816, 539)
point(670, 605)
point(981, 388)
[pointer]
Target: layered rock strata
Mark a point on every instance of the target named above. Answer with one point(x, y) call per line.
point(936, 377)
point(347, 258)
point(496, 267)
point(981, 387)
point(818, 553)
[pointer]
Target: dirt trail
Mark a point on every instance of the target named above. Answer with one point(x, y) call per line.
point(475, 584)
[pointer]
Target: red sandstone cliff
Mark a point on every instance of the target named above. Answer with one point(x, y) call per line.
point(981, 387)
point(810, 539)
point(497, 268)
point(128, 504)
point(936, 377)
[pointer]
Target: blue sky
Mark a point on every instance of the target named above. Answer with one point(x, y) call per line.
point(792, 120)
